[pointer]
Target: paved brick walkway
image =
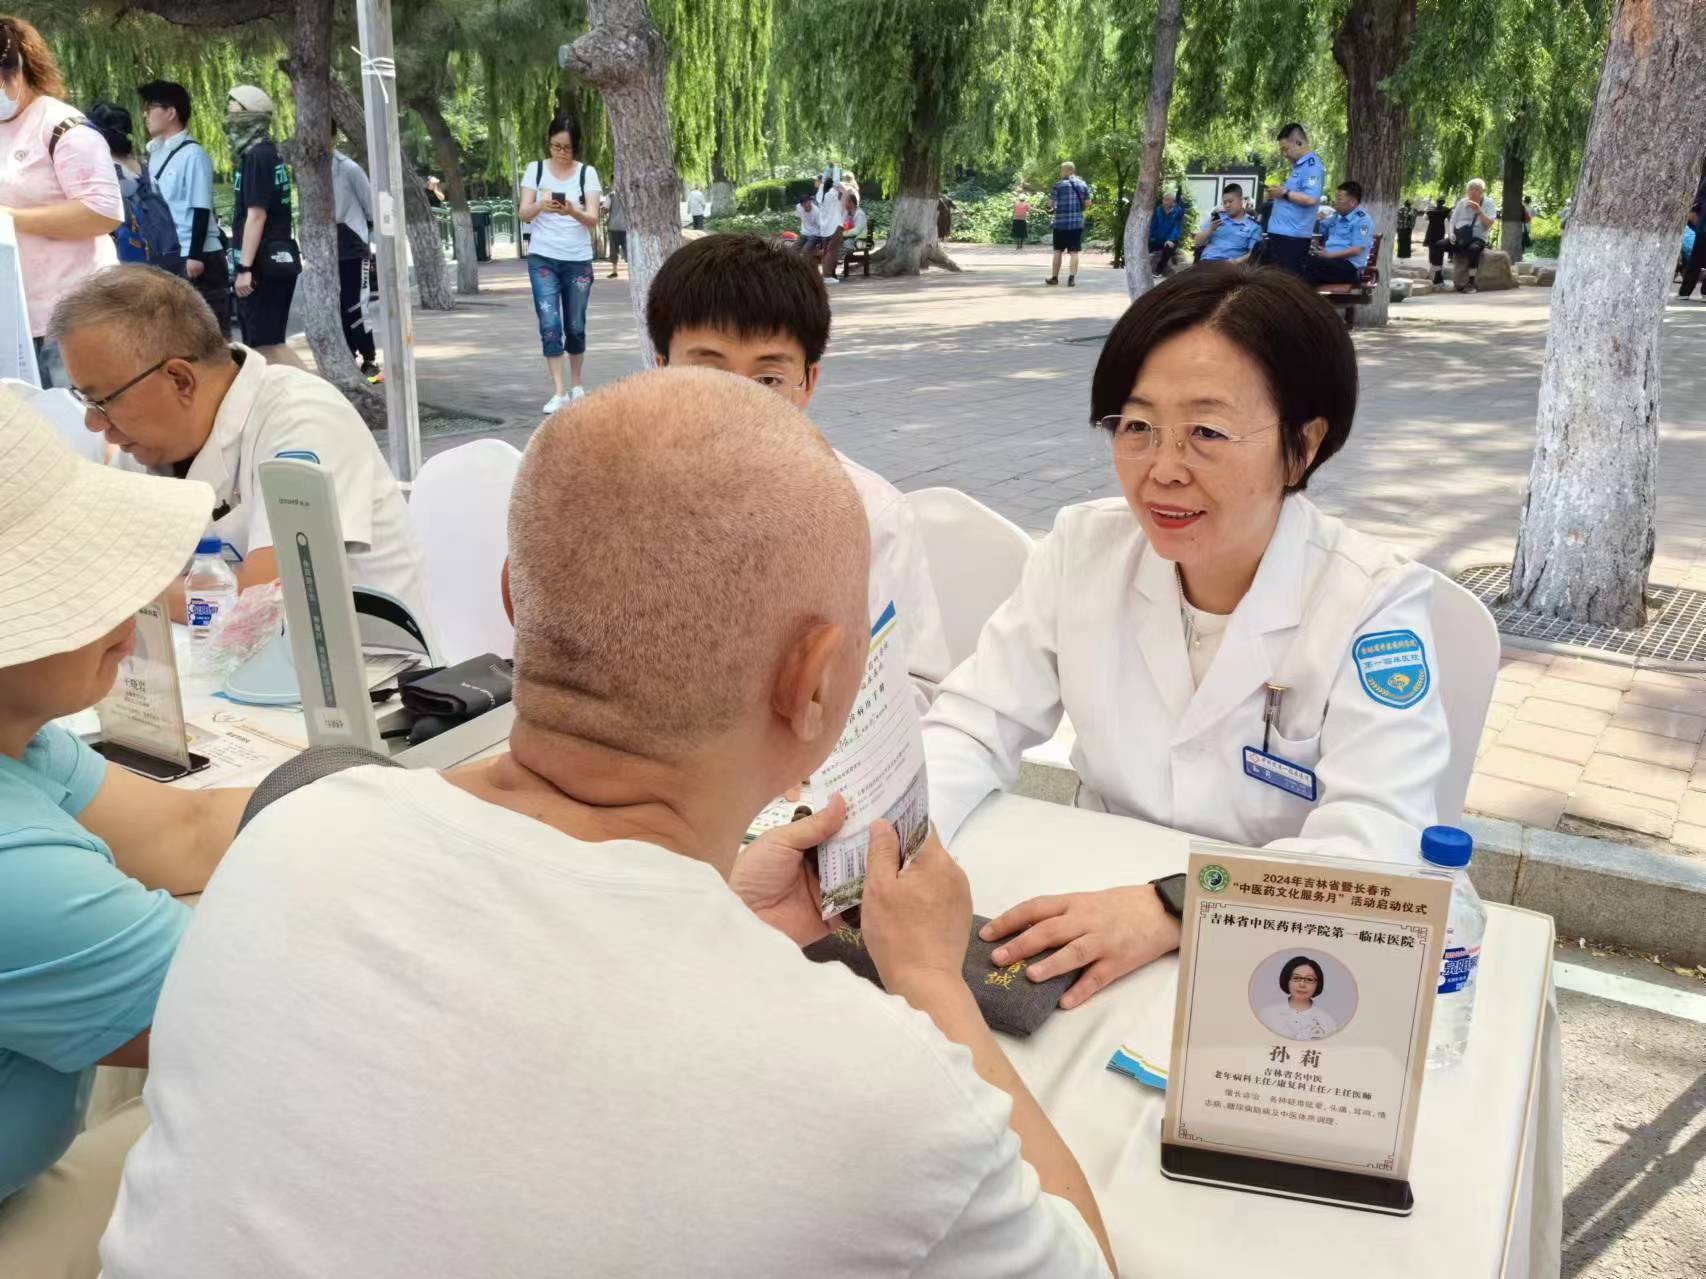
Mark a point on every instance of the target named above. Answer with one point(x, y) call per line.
point(980, 381)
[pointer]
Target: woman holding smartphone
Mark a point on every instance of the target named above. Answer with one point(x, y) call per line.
point(560, 196)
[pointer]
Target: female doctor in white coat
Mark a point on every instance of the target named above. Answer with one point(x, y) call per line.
point(1161, 623)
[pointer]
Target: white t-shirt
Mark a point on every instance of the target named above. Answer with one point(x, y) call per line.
point(411, 1034)
point(696, 205)
point(829, 212)
point(1465, 214)
point(557, 235)
point(900, 572)
point(273, 410)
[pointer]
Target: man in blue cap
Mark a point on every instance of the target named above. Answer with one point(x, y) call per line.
point(1292, 225)
point(1350, 235)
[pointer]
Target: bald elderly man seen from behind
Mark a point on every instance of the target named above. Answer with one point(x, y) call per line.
point(533, 1016)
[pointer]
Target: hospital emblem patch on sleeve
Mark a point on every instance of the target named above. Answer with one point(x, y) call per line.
point(1393, 667)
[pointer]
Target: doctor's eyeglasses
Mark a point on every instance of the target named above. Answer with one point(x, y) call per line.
point(1201, 445)
point(100, 403)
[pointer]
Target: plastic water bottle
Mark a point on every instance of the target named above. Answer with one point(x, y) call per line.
point(1454, 1002)
point(210, 591)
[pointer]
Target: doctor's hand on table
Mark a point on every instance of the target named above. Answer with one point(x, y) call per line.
point(1108, 934)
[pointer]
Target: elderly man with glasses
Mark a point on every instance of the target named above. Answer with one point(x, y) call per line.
point(148, 362)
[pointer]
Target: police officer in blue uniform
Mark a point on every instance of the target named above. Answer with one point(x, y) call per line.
point(1292, 224)
point(1350, 235)
point(1230, 233)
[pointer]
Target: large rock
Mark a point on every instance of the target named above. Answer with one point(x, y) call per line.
point(1494, 273)
point(1400, 288)
point(1546, 275)
point(1420, 288)
point(722, 199)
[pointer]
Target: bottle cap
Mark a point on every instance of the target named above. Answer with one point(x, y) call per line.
point(209, 546)
point(1447, 846)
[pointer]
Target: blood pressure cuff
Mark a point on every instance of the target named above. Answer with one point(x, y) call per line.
point(459, 692)
point(1009, 1000)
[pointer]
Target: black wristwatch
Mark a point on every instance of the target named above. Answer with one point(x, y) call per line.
point(245, 270)
point(1171, 890)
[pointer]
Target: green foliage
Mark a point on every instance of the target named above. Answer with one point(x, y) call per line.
point(720, 81)
point(767, 222)
point(1484, 76)
point(771, 222)
point(777, 195)
point(1548, 236)
point(914, 84)
point(772, 88)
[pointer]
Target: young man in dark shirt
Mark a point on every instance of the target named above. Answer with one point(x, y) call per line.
point(268, 260)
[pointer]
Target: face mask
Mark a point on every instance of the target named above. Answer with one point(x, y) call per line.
point(8, 106)
point(245, 128)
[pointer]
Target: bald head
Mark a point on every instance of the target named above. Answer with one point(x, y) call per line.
point(671, 537)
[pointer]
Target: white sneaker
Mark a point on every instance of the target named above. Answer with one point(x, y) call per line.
point(554, 403)
point(577, 393)
point(830, 279)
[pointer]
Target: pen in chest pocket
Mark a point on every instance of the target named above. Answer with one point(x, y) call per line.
point(1270, 712)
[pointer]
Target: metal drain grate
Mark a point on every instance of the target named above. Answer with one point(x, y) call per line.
point(1675, 629)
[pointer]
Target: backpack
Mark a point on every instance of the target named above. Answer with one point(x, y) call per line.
point(148, 233)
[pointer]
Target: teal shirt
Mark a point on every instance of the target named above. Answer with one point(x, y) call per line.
point(83, 951)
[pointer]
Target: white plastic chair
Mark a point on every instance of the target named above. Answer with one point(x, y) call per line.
point(460, 510)
point(976, 558)
point(1466, 654)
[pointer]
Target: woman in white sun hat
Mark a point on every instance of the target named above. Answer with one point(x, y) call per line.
point(90, 856)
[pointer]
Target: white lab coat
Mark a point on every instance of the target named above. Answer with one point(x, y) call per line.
point(1094, 630)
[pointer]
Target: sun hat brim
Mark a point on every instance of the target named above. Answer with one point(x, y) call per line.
point(105, 543)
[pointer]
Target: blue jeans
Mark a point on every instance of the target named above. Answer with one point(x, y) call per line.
point(561, 291)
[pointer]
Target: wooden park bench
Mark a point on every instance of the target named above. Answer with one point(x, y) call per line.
point(1348, 297)
point(857, 250)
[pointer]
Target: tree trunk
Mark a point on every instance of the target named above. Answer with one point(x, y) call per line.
point(455, 191)
point(1138, 277)
point(317, 287)
point(432, 280)
point(625, 57)
point(722, 187)
point(913, 243)
point(1120, 197)
point(1587, 532)
point(1371, 45)
point(1516, 173)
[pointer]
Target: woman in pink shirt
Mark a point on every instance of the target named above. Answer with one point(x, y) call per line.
point(60, 192)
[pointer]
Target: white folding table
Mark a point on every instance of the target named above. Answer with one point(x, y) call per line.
point(1487, 1168)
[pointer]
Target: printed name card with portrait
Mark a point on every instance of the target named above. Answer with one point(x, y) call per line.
point(1305, 994)
point(142, 719)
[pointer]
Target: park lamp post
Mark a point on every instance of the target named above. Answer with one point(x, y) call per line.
point(384, 152)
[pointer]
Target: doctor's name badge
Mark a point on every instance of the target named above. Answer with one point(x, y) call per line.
point(1393, 667)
